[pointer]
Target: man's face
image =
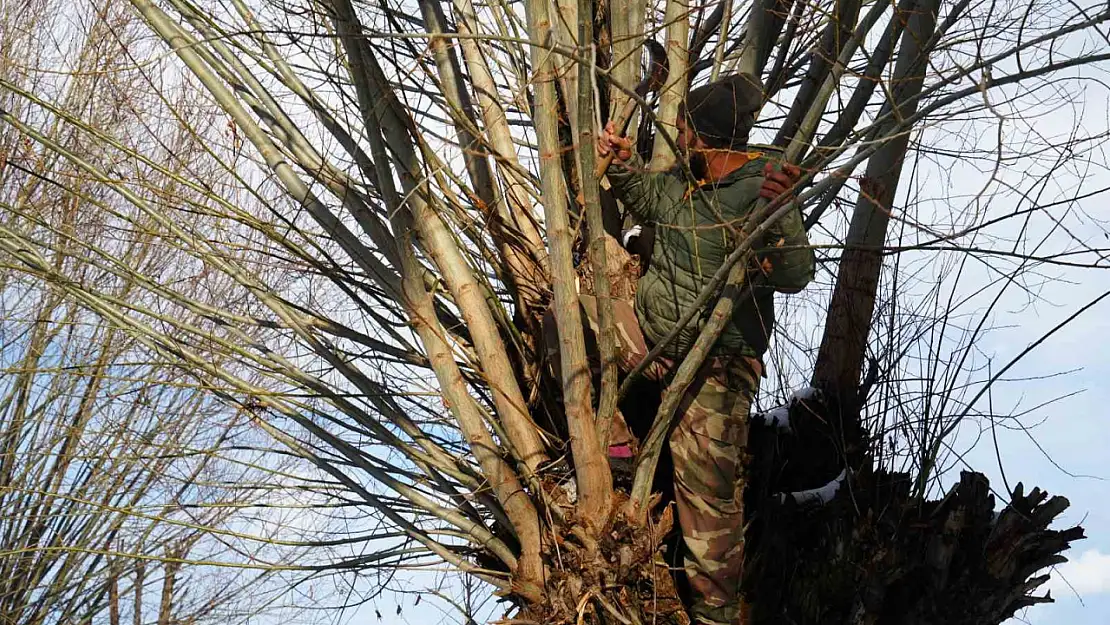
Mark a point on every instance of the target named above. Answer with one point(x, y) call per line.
point(691, 147)
point(686, 138)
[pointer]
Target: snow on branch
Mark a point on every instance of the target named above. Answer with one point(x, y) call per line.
point(779, 416)
point(820, 495)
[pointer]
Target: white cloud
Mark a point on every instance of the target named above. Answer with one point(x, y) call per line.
point(1088, 574)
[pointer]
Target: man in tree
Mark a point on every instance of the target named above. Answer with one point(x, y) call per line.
point(696, 227)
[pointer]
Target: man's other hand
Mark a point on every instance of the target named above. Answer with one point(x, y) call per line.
point(609, 142)
point(776, 183)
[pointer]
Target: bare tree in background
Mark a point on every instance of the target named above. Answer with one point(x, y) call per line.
point(118, 502)
point(397, 191)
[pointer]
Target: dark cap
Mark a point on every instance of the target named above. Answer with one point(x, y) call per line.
point(722, 113)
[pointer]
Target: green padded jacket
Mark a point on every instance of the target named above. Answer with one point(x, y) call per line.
point(692, 242)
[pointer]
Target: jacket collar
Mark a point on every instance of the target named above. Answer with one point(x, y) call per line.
point(760, 154)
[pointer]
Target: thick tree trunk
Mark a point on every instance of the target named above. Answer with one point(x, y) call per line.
point(844, 344)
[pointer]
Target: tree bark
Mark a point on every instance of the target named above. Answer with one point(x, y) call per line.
point(626, 25)
point(438, 241)
point(518, 210)
point(674, 91)
point(504, 482)
point(591, 200)
point(525, 276)
point(844, 344)
point(113, 591)
point(864, 548)
point(169, 580)
point(593, 476)
point(140, 582)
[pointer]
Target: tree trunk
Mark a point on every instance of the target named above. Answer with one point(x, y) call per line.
point(674, 91)
point(593, 476)
point(844, 344)
point(626, 23)
point(833, 539)
point(113, 591)
point(169, 580)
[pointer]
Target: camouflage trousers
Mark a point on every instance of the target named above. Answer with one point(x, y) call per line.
point(708, 447)
point(631, 349)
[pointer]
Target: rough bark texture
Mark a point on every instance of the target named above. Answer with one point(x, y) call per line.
point(875, 553)
point(872, 553)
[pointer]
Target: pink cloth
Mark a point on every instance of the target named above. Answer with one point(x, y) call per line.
point(620, 451)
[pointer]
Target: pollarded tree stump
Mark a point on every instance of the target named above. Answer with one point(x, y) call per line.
point(864, 549)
